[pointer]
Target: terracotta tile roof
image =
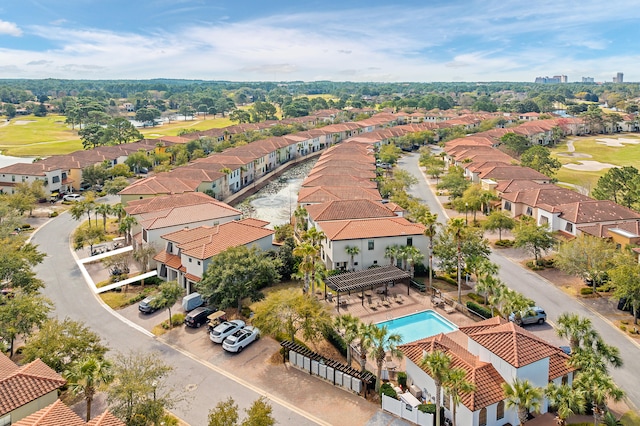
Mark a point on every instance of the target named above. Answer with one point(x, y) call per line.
point(26, 383)
point(316, 194)
point(510, 342)
point(487, 380)
point(251, 221)
point(171, 260)
point(326, 170)
point(370, 228)
point(192, 277)
point(185, 215)
point(105, 419)
point(55, 414)
point(591, 211)
point(348, 209)
point(338, 180)
point(512, 172)
point(602, 230)
point(513, 185)
point(161, 184)
point(164, 202)
point(207, 241)
point(545, 196)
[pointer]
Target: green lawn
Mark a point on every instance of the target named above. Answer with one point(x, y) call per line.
point(626, 155)
point(30, 136)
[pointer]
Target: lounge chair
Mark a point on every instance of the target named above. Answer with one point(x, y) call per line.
point(399, 298)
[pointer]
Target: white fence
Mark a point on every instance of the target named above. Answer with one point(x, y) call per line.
point(338, 378)
point(406, 411)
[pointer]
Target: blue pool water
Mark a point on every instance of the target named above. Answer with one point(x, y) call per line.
point(418, 326)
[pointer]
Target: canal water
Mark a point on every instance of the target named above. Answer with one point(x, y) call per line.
point(6, 160)
point(277, 201)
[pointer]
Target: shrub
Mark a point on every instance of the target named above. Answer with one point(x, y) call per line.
point(176, 319)
point(480, 310)
point(605, 288)
point(402, 379)
point(585, 291)
point(427, 408)
point(336, 340)
point(623, 327)
point(136, 298)
point(26, 226)
point(449, 279)
point(504, 243)
point(476, 298)
point(548, 263)
point(53, 214)
point(625, 322)
point(532, 265)
point(387, 389)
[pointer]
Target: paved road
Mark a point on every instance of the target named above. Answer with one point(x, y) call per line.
point(202, 386)
point(554, 301)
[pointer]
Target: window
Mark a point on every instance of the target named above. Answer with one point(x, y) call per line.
point(169, 247)
point(483, 417)
point(544, 220)
point(507, 205)
point(569, 227)
point(529, 211)
point(199, 262)
point(370, 245)
point(55, 179)
point(500, 411)
point(190, 260)
point(145, 236)
point(565, 379)
point(410, 241)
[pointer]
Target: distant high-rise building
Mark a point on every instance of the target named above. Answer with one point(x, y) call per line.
point(619, 78)
point(587, 79)
point(551, 80)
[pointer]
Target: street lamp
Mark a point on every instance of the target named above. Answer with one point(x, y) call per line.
point(466, 213)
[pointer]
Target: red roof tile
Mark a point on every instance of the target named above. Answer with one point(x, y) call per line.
point(56, 414)
point(370, 228)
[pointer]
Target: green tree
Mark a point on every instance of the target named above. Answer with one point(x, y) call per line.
point(579, 331)
point(454, 182)
point(169, 294)
point(389, 154)
point(147, 115)
point(139, 392)
point(599, 388)
point(104, 210)
point(126, 224)
point(61, 343)
point(237, 273)
point(120, 130)
point(86, 376)
point(16, 262)
point(524, 396)
point(225, 413)
point(240, 115)
point(586, 257)
point(515, 143)
point(381, 342)
point(620, 185)
point(307, 253)
point(566, 401)
point(138, 160)
point(535, 239)
point(113, 186)
point(20, 314)
point(539, 158)
point(625, 275)
point(95, 174)
point(499, 220)
point(350, 328)
point(314, 237)
point(430, 222)
point(456, 385)
point(288, 312)
point(85, 235)
point(437, 364)
point(92, 136)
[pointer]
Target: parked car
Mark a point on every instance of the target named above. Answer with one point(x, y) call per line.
point(73, 197)
point(197, 317)
point(224, 330)
point(535, 315)
point(241, 339)
point(146, 305)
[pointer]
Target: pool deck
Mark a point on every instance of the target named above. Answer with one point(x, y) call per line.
point(414, 302)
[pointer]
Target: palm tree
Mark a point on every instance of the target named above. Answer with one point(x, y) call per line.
point(364, 344)
point(118, 210)
point(486, 280)
point(86, 375)
point(430, 222)
point(143, 254)
point(412, 255)
point(516, 303)
point(524, 396)
point(382, 342)
point(455, 385)
point(89, 206)
point(458, 226)
point(307, 252)
point(76, 210)
point(300, 213)
point(126, 224)
point(314, 237)
point(576, 329)
point(352, 251)
point(392, 252)
point(350, 326)
point(170, 292)
point(437, 363)
point(104, 210)
point(599, 388)
point(566, 400)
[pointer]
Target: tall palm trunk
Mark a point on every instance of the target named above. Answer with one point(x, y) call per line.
point(438, 402)
point(459, 273)
point(430, 263)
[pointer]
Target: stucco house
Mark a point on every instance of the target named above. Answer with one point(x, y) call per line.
point(26, 389)
point(59, 413)
point(492, 352)
point(188, 252)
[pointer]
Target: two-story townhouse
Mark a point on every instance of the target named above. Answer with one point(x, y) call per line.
point(188, 252)
point(153, 186)
point(164, 214)
point(54, 179)
point(495, 352)
point(372, 236)
point(347, 209)
point(211, 182)
point(536, 201)
point(569, 216)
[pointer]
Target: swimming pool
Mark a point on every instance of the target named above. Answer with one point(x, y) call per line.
point(419, 325)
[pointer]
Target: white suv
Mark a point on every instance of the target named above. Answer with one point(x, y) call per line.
point(73, 197)
point(534, 315)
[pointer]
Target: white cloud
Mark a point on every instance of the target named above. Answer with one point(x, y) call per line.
point(10, 28)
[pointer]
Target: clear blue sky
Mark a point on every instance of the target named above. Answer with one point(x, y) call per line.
point(426, 40)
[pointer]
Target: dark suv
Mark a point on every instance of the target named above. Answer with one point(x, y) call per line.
point(197, 317)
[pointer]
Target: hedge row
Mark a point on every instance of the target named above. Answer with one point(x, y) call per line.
point(480, 310)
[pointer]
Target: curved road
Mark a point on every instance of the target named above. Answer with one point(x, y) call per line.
point(201, 385)
point(554, 301)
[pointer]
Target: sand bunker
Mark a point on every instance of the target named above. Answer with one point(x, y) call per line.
point(23, 122)
point(589, 166)
point(617, 142)
point(574, 155)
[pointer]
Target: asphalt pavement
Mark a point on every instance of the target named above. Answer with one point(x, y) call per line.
point(546, 295)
